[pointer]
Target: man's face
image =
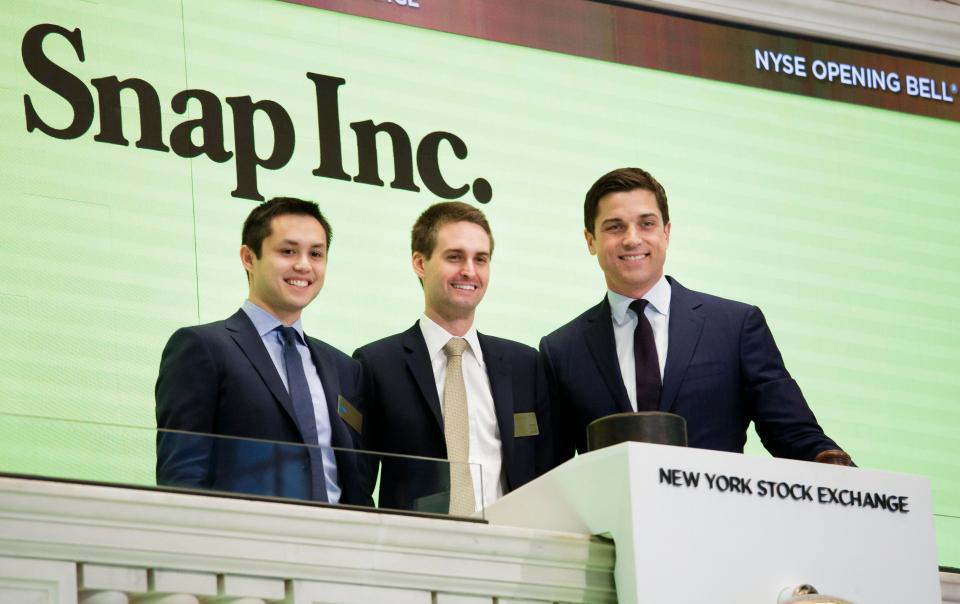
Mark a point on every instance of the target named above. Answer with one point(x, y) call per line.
point(289, 273)
point(630, 241)
point(456, 274)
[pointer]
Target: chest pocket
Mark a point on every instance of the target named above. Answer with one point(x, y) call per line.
point(701, 370)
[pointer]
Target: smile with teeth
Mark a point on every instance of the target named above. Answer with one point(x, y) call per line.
point(465, 286)
point(631, 257)
point(298, 282)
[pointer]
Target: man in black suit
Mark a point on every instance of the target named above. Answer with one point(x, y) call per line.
point(412, 380)
point(256, 375)
point(653, 345)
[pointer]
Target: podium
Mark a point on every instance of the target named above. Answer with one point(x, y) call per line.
point(691, 525)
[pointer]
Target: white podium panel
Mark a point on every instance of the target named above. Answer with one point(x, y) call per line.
point(692, 525)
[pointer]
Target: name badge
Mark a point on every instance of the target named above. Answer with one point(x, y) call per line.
point(525, 424)
point(350, 414)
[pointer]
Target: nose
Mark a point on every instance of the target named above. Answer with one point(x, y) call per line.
point(467, 269)
point(632, 236)
point(302, 263)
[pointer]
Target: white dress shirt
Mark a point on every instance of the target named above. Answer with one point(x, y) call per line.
point(484, 430)
point(625, 322)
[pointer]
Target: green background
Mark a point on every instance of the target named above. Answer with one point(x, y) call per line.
point(839, 221)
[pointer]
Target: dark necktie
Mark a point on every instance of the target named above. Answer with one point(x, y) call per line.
point(303, 409)
point(645, 358)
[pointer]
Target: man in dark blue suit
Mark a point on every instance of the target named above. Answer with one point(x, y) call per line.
point(256, 375)
point(414, 403)
point(654, 345)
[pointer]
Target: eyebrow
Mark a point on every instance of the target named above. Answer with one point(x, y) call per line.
point(618, 219)
point(460, 250)
point(295, 242)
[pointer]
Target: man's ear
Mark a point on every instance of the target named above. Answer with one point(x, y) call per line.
point(246, 257)
point(591, 244)
point(417, 262)
point(666, 232)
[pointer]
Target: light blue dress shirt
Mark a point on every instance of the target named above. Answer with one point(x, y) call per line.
point(267, 326)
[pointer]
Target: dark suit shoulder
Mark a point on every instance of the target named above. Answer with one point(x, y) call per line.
point(730, 314)
point(384, 347)
point(574, 328)
point(506, 347)
point(207, 340)
point(723, 304)
point(215, 330)
point(205, 330)
point(681, 295)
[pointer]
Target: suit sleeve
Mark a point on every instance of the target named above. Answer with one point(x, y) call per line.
point(370, 462)
point(564, 443)
point(353, 466)
point(784, 421)
point(186, 397)
point(357, 389)
point(546, 455)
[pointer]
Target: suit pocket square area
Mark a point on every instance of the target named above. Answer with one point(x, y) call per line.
point(704, 370)
point(350, 414)
point(525, 424)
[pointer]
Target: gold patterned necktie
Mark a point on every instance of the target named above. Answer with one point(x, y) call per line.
point(456, 430)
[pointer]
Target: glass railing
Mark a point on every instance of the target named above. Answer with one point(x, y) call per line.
point(150, 458)
point(947, 526)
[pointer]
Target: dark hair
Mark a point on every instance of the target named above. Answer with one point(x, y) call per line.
point(256, 227)
point(423, 236)
point(622, 180)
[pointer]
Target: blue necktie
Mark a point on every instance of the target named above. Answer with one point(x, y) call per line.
point(303, 409)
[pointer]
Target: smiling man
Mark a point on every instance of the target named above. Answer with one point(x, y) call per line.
point(441, 389)
point(257, 375)
point(654, 345)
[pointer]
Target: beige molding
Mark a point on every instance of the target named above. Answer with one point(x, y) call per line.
point(950, 587)
point(195, 535)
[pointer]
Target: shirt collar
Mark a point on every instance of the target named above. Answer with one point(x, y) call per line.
point(436, 338)
point(264, 322)
point(658, 298)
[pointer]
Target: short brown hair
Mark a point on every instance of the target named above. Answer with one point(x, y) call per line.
point(256, 227)
point(622, 180)
point(423, 236)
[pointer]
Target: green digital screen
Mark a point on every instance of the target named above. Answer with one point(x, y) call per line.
point(839, 221)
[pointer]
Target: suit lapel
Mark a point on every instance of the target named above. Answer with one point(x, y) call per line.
point(330, 380)
point(603, 347)
point(686, 324)
point(418, 363)
point(501, 387)
point(245, 335)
